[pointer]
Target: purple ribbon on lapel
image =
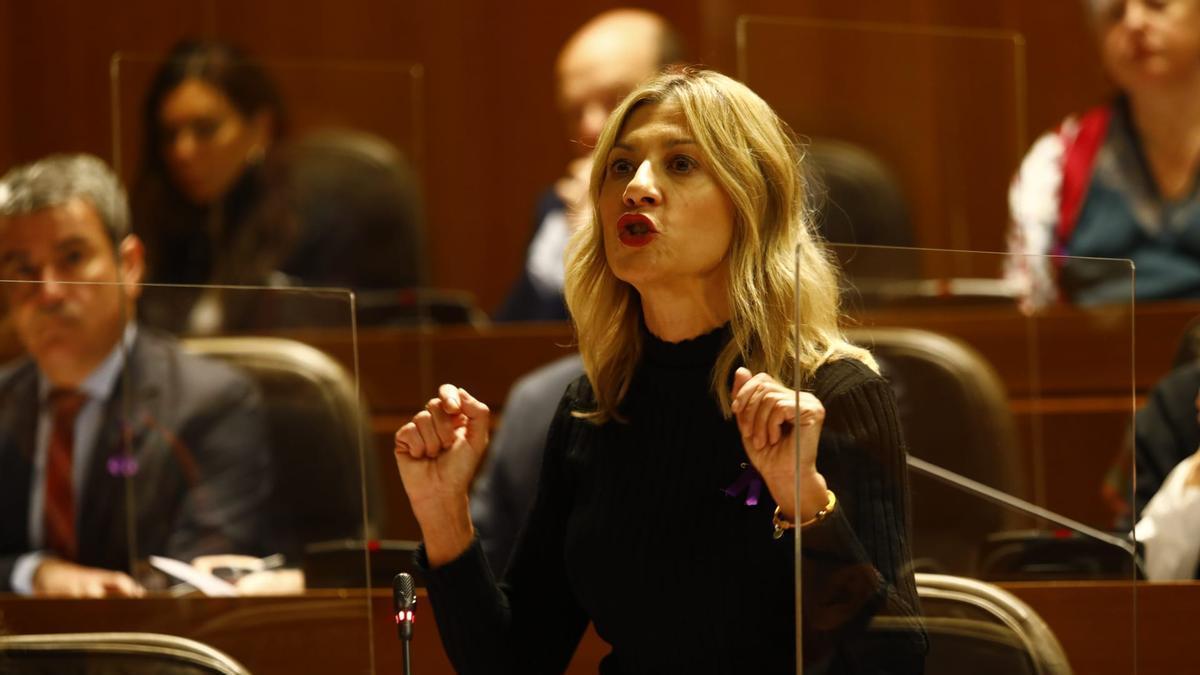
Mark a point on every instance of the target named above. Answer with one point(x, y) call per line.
point(122, 466)
point(749, 482)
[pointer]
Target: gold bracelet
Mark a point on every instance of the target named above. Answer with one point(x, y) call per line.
point(782, 525)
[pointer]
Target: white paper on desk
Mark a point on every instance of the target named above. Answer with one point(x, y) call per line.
point(205, 583)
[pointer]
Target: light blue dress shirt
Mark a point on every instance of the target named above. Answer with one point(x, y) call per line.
point(98, 387)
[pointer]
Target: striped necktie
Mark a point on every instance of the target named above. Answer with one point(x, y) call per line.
point(59, 508)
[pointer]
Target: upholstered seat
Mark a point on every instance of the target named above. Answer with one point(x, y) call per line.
point(977, 627)
point(316, 427)
point(356, 205)
point(80, 653)
point(955, 414)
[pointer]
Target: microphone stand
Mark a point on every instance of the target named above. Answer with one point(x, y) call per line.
point(1016, 503)
point(404, 602)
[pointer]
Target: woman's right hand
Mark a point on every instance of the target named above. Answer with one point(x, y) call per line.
point(437, 454)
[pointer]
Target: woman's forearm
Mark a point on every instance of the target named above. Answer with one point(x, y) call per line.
point(447, 530)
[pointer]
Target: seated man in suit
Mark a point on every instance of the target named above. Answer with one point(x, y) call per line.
point(114, 445)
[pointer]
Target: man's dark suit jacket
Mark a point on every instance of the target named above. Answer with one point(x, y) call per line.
point(1166, 431)
point(525, 301)
point(198, 441)
point(506, 485)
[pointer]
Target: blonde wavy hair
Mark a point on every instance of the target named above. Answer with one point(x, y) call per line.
point(757, 162)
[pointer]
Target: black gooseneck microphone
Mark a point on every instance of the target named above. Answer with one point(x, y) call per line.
point(404, 603)
point(1006, 500)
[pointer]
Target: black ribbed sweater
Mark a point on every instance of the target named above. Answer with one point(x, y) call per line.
point(632, 530)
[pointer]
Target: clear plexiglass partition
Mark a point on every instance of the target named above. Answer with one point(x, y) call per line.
point(988, 482)
point(380, 98)
point(914, 132)
point(233, 476)
point(301, 173)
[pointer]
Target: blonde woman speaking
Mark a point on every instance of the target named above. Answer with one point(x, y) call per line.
point(665, 509)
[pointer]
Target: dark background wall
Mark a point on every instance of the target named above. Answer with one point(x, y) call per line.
point(491, 137)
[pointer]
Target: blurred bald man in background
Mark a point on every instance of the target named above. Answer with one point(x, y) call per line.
point(602, 62)
point(599, 64)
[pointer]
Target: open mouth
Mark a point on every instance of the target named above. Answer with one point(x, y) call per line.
point(635, 229)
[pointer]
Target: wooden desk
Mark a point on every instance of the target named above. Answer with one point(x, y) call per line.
point(327, 632)
point(1068, 374)
point(321, 632)
point(401, 368)
point(1066, 351)
point(1084, 354)
point(1093, 622)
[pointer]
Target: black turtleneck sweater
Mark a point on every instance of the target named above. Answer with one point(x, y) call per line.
point(632, 529)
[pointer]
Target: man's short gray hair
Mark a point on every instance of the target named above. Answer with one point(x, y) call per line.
point(57, 179)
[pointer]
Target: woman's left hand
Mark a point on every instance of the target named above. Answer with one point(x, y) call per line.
point(769, 417)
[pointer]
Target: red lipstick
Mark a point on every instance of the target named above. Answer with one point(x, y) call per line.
point(635, 229)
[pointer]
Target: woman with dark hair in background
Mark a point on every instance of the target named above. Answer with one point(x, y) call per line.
point(209, 119)
point(338, 207)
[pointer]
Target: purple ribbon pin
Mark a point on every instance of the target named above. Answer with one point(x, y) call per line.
point(121, 466)
point(749, 482)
